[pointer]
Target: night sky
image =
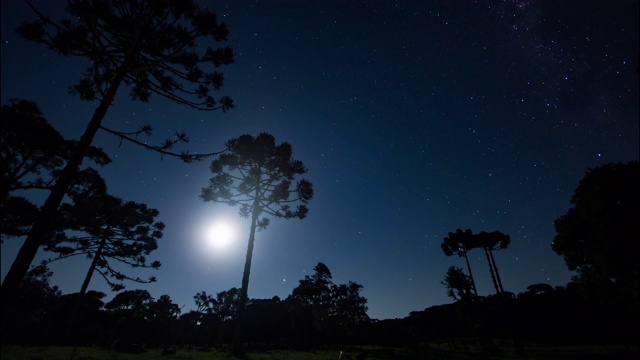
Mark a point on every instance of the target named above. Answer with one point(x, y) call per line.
point(413, 118)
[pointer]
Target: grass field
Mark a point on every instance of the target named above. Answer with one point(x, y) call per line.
point(424, 351)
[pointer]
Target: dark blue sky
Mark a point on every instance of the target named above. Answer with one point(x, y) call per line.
point(413, 118)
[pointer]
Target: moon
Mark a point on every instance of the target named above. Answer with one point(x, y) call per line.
point(221, 234)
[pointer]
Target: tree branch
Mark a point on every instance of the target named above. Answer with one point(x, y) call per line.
point(184, 156)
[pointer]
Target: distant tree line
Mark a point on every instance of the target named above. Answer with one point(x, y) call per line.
point(542, 314)
point(317, 312)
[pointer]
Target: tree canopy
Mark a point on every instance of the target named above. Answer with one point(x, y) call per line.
point(108, 229)
point(597, 237)
point(328, 303)
point(257, 175)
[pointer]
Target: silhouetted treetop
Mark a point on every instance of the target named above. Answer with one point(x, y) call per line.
point(458, 242)
point(493, 240)
point(539, 288)
point(109, 34)
point(257, 174)
point(314, 289)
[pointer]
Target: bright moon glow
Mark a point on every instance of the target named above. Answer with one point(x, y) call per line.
point(221, 234)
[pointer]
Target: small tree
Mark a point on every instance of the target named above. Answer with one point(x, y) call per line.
point(227, 304)
point(257, 175)
point(109, 229)
point(322, 308)
point(460, 243)
point(205, 303)
point(315, 290)
point(349, 307)
point(164, 308)
point(458, 284)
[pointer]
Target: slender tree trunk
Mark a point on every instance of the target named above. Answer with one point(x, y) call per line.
point(495, 267)
point(473, 282)
point(237, 346)
point(493, 275)
point(43, 224)
point(96, 256)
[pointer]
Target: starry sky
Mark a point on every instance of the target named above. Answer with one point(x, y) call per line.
point(413, 118)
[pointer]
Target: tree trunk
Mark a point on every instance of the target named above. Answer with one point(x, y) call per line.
point(493, 275)
point(83, 290)
point(96, 256)
point(43, 224)
point(237, 346)
point(473, 282)
point(495, 267)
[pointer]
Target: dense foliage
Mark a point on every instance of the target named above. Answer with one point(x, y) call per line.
point(597, 237)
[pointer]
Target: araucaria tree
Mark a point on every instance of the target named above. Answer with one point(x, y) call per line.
point(107, 230)
point(153, 47)
point(257, 175)
point(494, 240)
point(460, 243)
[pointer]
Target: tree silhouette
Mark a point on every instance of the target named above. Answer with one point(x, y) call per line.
point(489, 242)
point(36, 299)
point(311, 301)
point(106, 228)
point(205, 303)
point(32, 153)
point(460, 243)
point(135, 302)
point(314, 290)
point(150, 46)
point(349, 307)
point(598, 236)
point(539, 288)
point(458, 284)
point(257, 175)
point(323, 308)
point(163, 308)
point(227, 304)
